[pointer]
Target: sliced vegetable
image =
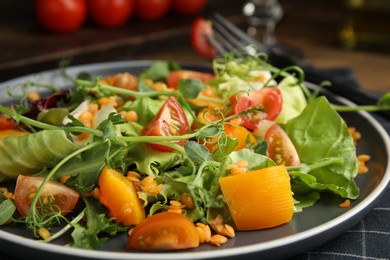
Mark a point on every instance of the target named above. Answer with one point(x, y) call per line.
point(54, 196)
point(7, 123)
point(280, 147)
point(171, 120)
point(259, 199)
point(118, 194)
point(164, 231)
point(270, 99)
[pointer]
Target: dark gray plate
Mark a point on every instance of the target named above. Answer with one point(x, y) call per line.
point(311, 228)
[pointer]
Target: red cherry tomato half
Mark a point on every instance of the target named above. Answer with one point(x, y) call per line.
point(200, 30)
point(268, 98)
point(152, 10)
point(171, 120)
point(110, 13)
point(7, 123)
point(164, 231)
point(175, 76)
point(188, 7)
point(61, 15)
point(63, 197)
point(280, 147)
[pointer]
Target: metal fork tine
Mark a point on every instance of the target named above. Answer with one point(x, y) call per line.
point(230, 30)
point(217, 46)
point(225, 37)
point(224, 42)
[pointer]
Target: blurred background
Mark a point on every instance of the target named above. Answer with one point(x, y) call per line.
point(352, 34)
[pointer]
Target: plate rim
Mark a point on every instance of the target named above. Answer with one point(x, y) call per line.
point(365, 205)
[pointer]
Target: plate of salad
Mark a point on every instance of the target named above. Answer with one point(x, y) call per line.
point(167, 160)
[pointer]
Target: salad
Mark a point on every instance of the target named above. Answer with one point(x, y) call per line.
point(174, 157)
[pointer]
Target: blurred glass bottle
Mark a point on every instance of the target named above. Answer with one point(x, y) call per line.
point(366, 25)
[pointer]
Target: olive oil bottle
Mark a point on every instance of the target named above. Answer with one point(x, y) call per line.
point(366, 25)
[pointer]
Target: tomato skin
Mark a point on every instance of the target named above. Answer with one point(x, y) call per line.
point(61, 15)
point(268, 98)
point(7, 123)
point(64, 197)
point(174, 77)
point(110, 13)
point(200, 30)
point(280, 147)
point(188, 7)
point(152, 10)
point(171, 120)
point(164, 231)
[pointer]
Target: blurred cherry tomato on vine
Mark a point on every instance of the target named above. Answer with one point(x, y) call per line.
point(61, 15)
point(152, 10)
point(110, 13)
point(188, 7)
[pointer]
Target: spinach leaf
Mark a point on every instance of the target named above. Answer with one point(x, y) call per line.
point(30, 154)
point(320, 132)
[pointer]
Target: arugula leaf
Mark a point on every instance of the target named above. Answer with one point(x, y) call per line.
point(190, 88)
point(91, 235)
point(85, 169)
point(316, 136)
point(7, 209)
point(107, 126)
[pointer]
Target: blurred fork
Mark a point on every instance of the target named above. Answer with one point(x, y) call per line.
point(227, 37)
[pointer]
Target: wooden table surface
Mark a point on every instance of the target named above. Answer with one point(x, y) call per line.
point(311, 26)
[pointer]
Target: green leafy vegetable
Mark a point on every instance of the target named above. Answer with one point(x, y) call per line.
point(7, 209)
point(89, 236)
point(319, 132)
point(29, 154)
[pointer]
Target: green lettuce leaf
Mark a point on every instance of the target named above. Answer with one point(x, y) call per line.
point(294, 101)
point(150, 161)
point(30, 154)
